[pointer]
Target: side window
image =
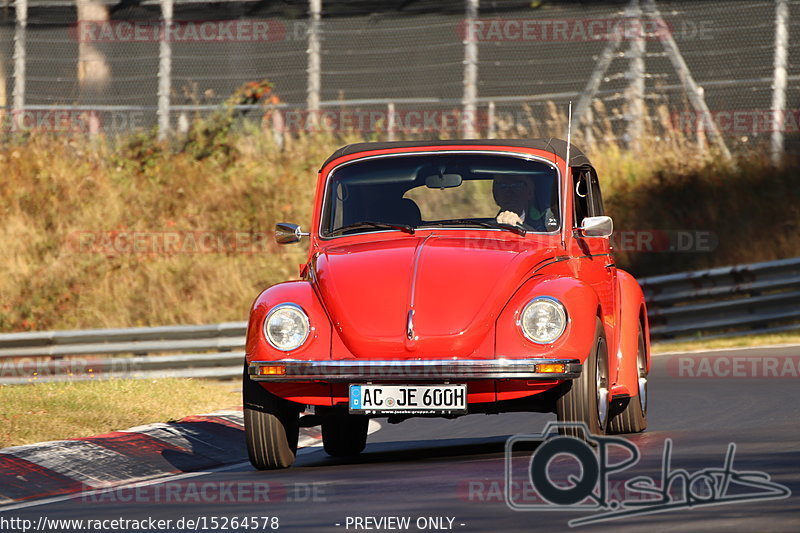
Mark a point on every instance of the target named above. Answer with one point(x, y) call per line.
point(580, 195)
point(595, 196)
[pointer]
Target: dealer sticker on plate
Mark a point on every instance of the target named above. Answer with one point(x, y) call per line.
point(408, 399)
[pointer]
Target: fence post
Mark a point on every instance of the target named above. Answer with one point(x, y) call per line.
point(390, 121)
point(492, 121)
point(635, 96)
point(20, 38)
point(470, 99)
point(314, 61)
point(164, 69)
point(94, 72)
point(278, 127)
point(779, 82)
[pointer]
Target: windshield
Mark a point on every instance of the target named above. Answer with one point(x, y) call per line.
point(404, 193)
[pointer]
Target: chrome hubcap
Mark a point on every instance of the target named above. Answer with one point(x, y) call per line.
point(642, 364)
point(602, 386)
point(643, 394)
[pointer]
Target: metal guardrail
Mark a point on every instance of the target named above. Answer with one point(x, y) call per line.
point(88, 354)
point(225, 336)
point(719, 302)
point(725, 301)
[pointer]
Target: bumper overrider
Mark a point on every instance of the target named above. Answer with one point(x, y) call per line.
point(288, 370)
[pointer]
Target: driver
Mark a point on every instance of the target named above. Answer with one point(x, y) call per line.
point(513, 193)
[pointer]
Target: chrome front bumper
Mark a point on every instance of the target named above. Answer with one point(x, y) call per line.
point(412, 370)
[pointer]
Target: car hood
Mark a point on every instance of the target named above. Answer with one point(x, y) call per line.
point(454, 288)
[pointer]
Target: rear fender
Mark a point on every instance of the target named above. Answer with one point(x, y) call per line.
point(633, 312)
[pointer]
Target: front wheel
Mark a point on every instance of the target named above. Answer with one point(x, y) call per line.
point(271, 426)
point(585, 399)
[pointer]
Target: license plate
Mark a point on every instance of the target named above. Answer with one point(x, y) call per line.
point(408, 399)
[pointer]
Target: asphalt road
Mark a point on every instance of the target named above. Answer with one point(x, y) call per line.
point(455, 469)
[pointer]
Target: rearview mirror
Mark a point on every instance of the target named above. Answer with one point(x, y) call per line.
point(597, 227)
point(286, 233)
point(443, 181)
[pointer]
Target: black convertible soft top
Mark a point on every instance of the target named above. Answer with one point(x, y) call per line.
point(552, 145)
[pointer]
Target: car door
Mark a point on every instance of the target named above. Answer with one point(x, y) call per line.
point(593, 254)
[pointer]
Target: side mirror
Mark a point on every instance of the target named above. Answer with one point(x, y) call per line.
point(286, 233)
point(597, 227)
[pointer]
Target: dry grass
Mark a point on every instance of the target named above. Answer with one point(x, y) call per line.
point(54, 411)
point(56, 191)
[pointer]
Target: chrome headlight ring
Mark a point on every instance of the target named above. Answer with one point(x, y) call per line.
point(286, 327)
point(543, 320)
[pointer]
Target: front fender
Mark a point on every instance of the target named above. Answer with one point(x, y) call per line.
point(581, 304)
point(317, 346)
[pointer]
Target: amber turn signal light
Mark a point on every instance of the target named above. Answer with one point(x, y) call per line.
point(276, 370)
point(550, 368)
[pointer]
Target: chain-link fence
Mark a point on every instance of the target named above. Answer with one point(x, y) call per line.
point(722, 72)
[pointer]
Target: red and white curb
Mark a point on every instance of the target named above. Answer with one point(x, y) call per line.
point(193, 444)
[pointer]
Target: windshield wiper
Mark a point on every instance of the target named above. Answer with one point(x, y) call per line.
point(481, 223)
point(370, 224)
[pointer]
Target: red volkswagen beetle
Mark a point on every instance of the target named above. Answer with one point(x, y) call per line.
point(447, 278)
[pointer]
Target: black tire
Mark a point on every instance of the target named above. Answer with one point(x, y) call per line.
point(631, 416)
point(271, 426)
point(580, 401)
point(344, 435)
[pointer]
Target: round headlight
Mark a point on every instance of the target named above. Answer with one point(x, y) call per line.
point(543, 320)
point(286, 327)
